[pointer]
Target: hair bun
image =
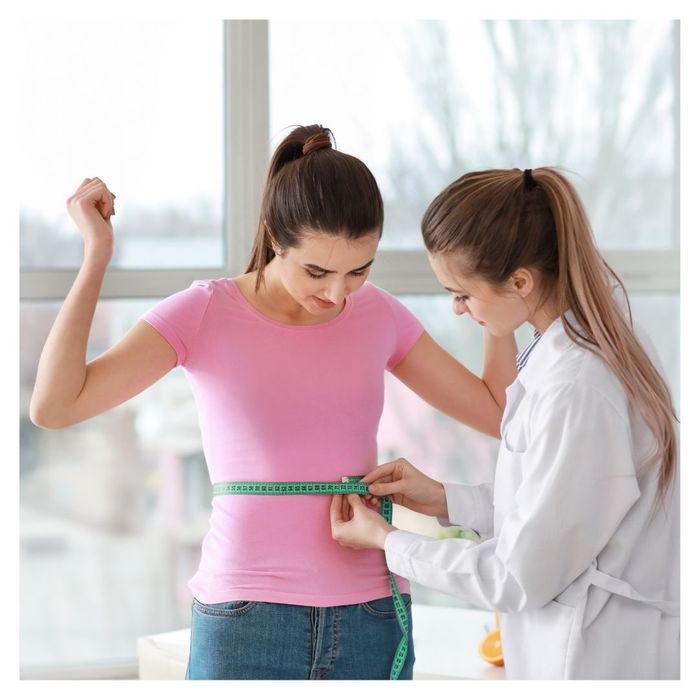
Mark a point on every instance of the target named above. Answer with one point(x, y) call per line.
point(530, 182)
point(316, 142)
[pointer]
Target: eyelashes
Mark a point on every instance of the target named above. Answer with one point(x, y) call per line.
point(317, 276)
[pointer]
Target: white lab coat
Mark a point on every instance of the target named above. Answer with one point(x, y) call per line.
point(586, 581)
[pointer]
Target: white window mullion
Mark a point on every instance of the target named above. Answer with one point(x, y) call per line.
point(408, 271)
point(247, 134)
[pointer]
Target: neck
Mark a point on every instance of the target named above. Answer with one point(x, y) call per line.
point(274, 295)
point(278, 303)
point(541, 323)
point(544, 315)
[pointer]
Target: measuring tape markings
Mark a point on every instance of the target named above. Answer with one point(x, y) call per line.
point(349, 484)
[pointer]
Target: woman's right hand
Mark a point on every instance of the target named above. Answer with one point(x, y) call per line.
point(408, 487)
point(91, 207)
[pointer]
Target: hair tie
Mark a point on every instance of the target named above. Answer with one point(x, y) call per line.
point(529, 180)
point(316, 142)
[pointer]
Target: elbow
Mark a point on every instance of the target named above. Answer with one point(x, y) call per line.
point(534, 598)
point(40, 419)
point(495, 427)
point(40, 416)
point(517, 594)
point(527, 603)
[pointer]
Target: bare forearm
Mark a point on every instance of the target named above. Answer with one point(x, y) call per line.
point(62, 366)
point(499, 365)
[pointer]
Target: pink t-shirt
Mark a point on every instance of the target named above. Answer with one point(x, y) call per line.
point(279, 402)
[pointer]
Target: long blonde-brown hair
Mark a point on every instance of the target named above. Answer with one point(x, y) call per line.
point(499, 220)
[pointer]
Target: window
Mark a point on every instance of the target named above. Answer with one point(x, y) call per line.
point(113, 510)
point(138, 112)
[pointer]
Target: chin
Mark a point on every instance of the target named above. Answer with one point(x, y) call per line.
point(497, 332)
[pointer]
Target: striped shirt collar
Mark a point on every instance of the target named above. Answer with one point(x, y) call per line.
point(523, 356)
point(551, 346)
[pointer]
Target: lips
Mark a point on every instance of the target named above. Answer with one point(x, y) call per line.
point(324, 304)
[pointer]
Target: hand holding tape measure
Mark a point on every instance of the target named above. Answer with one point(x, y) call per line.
point(349, 485)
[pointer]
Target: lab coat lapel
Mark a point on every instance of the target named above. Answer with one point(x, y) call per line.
point(514, 395)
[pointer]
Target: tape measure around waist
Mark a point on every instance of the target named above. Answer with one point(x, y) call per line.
point(349, 484)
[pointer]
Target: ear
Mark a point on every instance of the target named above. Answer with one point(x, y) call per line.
point(522, 282)
point(276, 247)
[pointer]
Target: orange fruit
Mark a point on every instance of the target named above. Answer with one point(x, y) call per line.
point(490, 648)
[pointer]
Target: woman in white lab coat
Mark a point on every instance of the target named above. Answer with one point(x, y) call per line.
point(579, 532)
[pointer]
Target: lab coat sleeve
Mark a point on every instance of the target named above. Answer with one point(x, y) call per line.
point(470, 507)
point(578, 482)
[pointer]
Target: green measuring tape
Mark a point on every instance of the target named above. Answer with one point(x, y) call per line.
point(349, 484)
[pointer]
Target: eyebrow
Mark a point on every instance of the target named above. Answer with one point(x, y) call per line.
point(454, 291)
point(321, 269)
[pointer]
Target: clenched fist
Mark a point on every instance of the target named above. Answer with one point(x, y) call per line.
point(91, 207)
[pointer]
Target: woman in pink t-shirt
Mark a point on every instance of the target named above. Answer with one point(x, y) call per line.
point(287, 364)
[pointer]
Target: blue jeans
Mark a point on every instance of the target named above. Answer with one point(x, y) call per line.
point(269, 641)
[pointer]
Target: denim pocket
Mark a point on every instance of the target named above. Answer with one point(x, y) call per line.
point(384, 607)
point(232, 608)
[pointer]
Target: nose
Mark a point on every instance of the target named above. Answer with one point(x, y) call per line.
point(459, 307)
point(336, 292)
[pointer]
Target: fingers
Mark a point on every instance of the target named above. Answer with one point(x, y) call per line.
point(106, 203)
point(341, 508)
point(355, 501)
point(341, 515)
point(87, 184)
point(82, 184)
point(95, 193)
point(371, 501)
point(388, 488)
point(336, 510)
point(382, 471)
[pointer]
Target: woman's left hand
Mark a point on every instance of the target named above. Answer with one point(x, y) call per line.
point(355, 525)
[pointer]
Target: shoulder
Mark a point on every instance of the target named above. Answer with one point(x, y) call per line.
point(191, 301)
point(205, 290)
point(582, 376)
point(373, 302)
point(370, 296)
point(208, 286)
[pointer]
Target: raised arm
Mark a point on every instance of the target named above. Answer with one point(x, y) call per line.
point(67, 390)
point(441, 380)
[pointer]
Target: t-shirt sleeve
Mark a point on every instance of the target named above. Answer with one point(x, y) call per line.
point(407, 329)
point(178, 318)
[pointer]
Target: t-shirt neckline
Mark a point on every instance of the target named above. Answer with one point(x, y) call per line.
point(235, 289)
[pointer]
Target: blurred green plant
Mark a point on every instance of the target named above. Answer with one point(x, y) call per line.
point(458, 533)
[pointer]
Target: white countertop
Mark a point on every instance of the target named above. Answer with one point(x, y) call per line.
point(446, 642)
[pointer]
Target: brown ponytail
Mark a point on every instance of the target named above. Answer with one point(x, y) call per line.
point(311, 186)
point(499, 220)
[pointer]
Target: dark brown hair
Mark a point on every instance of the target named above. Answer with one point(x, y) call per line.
point(496, 221)
point(311, 186)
